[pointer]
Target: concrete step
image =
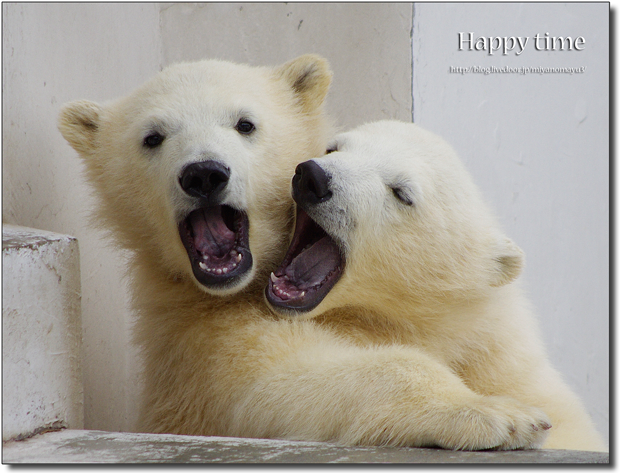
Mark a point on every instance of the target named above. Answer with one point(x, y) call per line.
point(41, 332)
point(89, 446)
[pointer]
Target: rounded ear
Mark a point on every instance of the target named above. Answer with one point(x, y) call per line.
point(79, 123)
point(508, 263)
point(310, 77)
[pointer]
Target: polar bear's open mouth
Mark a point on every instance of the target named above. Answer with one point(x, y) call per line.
point(311, 267)
point(216, 240)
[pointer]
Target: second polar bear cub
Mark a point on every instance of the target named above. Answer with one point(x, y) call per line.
point(394, 246)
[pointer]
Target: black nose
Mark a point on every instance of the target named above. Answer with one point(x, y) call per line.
point(205, 179)
point(310, 184)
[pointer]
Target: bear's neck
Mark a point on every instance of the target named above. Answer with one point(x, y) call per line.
point(436, 313)
point(175, 299)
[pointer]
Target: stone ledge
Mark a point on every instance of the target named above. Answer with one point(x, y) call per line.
point(41, 332)
point(90, 446)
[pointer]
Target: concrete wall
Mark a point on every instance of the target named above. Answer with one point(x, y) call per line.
point(368, 46)
point(538, 145)
point(54, 53)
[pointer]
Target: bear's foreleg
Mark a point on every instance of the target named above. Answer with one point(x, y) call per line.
point(305, 383)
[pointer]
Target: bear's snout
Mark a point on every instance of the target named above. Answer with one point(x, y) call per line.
point(205, 180)
point(311, 184)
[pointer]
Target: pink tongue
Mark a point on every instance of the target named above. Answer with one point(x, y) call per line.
point(211, 235)
point(312, 266)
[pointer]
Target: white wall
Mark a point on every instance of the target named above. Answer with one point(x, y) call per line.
point(538, 146)
point(549, 202)
point(368, 46)
point(54, 53)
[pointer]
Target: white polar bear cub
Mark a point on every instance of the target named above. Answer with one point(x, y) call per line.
point(192, 171)
point(395, 249)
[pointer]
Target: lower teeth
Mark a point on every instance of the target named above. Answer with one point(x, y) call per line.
point(282, 293)
point(217, 271)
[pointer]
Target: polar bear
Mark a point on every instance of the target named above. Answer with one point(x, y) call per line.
point(192, 171)
point(395, 250)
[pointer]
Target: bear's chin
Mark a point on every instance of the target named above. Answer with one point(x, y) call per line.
point(313, 264)
point(216, 239)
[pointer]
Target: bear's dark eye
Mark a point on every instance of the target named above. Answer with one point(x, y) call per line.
point(153, 140)
point(245, 126)
point(331, 147)
point(403, 194)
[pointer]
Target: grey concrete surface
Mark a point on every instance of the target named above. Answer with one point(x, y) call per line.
point(89, 446)
point(41, 332)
